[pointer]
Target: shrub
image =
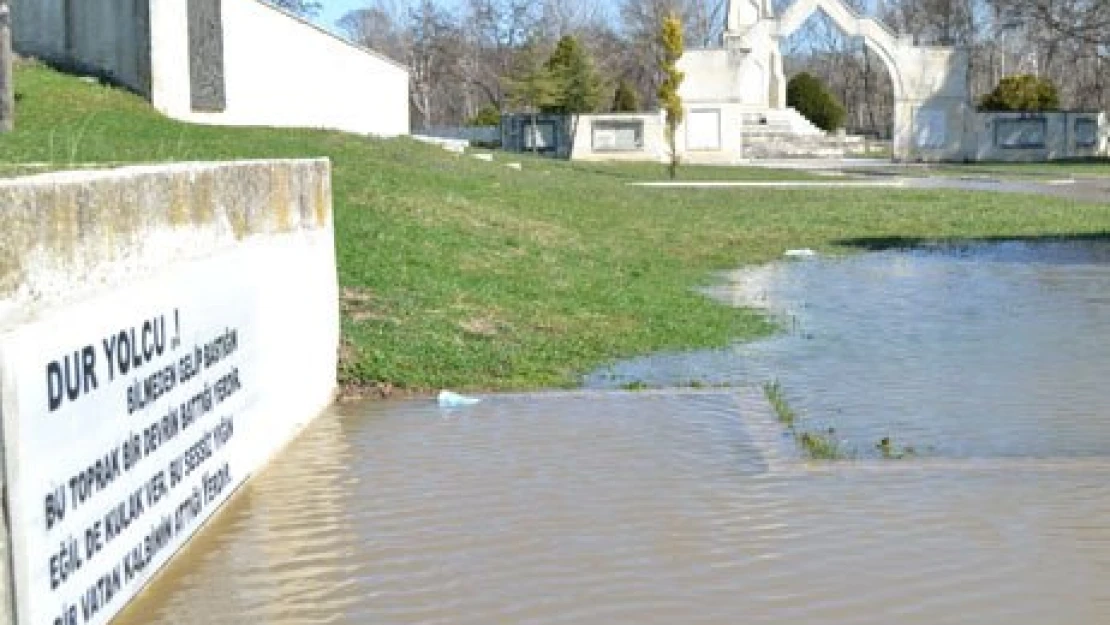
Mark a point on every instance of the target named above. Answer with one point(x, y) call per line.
point(1022, 93)
point(486, 116)
point(810, 98)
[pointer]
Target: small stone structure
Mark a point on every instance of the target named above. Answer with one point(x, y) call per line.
point(222, 62)
point(1034, 137)
point(163, 332)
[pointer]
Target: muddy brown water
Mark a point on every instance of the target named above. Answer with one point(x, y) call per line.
point(686, 506)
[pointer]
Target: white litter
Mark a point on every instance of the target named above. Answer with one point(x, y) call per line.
point(802, 253)
point(449, 399)
point(513, 166)
point(484, 157)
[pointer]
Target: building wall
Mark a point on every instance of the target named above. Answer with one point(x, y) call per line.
point(723, 76)
point(107, 38)
point(280, 71)
point(277, 70)
point(710, 134)
point(1034, 137)
point(217, 282)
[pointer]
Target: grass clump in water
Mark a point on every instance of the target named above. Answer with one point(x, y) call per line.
point(775, 395)
point(891, 451)
point(822, 445)
point(815, 444)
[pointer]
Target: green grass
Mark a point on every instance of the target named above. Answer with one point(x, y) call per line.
point(466, 274)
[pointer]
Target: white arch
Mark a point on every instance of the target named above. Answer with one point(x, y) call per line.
point(877, 37)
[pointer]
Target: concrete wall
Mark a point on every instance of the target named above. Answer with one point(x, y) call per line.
point(108, 38)
point(653, 139)
point(163, 332)
point(280, 71)
point(723, 76)
point(988, 140)
point(710, 134)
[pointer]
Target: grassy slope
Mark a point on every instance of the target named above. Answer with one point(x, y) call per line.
point(468, 274)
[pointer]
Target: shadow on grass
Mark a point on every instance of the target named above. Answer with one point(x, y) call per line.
point(879, 244)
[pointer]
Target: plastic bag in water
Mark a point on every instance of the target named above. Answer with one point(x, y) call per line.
point(448, 399)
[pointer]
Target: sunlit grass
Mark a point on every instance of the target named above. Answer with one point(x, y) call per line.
point(468, 274)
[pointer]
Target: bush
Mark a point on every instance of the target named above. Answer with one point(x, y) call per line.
point(486, 116)
point(1022, 93)
point(809, 97)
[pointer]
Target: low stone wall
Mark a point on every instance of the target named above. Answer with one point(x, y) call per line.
point(1035, 137)
point(163, 332)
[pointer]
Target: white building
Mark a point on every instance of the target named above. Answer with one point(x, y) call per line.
point(223, 62)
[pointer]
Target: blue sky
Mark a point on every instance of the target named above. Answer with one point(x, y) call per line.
point(335, 9)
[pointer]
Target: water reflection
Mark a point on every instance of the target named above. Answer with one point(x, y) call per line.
point(965, 351)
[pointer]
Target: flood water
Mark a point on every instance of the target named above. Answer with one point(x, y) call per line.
point(690, 506)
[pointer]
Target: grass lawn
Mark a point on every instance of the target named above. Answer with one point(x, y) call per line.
point(466, 274)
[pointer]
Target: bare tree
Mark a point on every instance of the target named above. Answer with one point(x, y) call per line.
point(1086, 20)
point(304, 8)
point(494, 31)
point(427, 39)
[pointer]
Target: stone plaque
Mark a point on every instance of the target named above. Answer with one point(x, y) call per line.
point(1086, 133)
point(1021, 133)
point(206, 56)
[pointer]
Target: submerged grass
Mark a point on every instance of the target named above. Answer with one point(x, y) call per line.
point(815, 444)
point(468, 274)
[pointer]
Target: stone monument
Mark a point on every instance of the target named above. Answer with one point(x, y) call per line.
point(739, 89)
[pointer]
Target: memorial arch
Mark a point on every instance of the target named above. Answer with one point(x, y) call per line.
point(744, 79)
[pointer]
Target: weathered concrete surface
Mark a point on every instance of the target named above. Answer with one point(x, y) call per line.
point(65, 233)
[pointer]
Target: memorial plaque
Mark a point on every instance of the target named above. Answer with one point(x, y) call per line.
point(207, 90)
point(1021, 133)
point(128, 421)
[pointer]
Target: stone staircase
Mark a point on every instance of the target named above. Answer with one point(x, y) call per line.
point(786, 133)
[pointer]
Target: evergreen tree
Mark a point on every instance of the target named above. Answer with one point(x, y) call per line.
point(670, 41)
point(625, 99)
point(533, 86)
point(581, 86)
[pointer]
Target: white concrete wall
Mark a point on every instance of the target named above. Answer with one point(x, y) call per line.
point(654, 144)
point(1060, 139)
point(280, 71)
point(104, 37)
point(655, 148)
point(200, 251)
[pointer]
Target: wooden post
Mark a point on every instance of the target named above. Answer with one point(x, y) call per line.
point(7, 82)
